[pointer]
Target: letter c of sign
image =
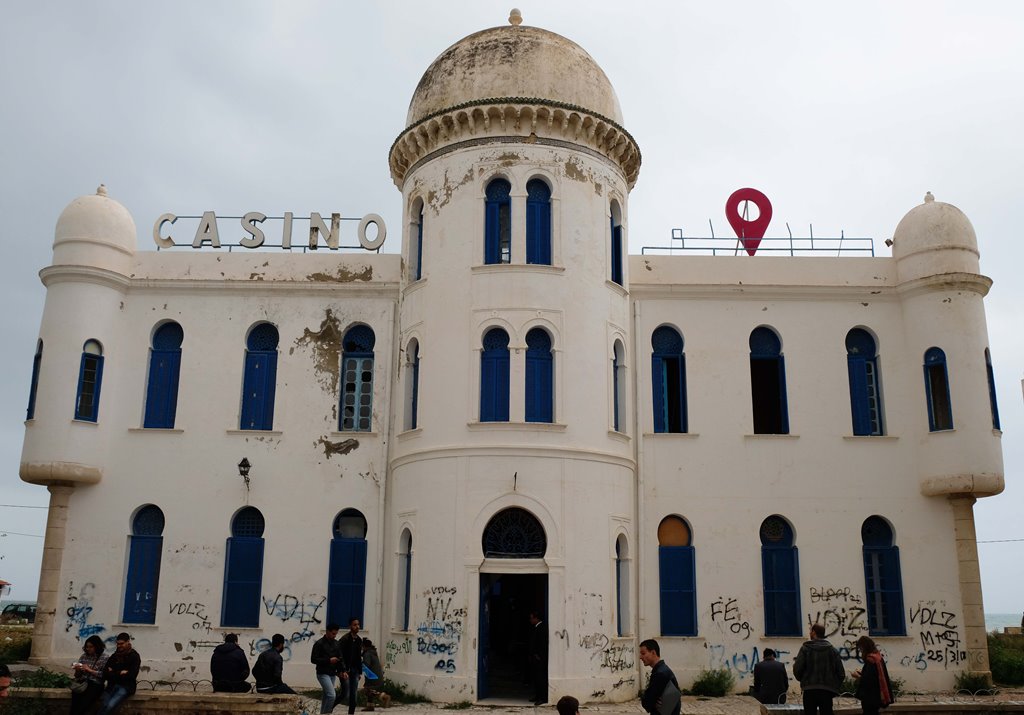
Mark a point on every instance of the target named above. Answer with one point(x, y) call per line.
point(382, 232)
point(157, 238)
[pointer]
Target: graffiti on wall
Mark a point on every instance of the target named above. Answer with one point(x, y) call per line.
point(938, 632)
point(740, 663)
point(841, 611)
point(440, 633)
point(393, 649)
point(725, 613)
point(200, 621)
point(79, 611)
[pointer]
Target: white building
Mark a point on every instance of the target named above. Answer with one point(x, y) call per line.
point(512, 414)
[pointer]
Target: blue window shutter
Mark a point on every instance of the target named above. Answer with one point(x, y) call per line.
point(415, 389)
point(532, 231)
point(658, 390)
point(617, 254)
point(683, 420)
point(544, 249)
point(538, 386)
point(993, 404)
point(34, 385)
point(492, 233)
point(502, 381)
point(859, 406)
point(616, 410)
point(494, 386)
point(408, 589)
point(783, 400)
point(419, 248)
point(780, 572)
point(258, 390)
point(142, 579)
point(678, 590)
point(162, 390)
point(243, 582)
point(346, 581)
point(884, 587)
point(90, 378)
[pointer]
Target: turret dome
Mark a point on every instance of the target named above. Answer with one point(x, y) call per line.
point(95, 230)
point(935, 238)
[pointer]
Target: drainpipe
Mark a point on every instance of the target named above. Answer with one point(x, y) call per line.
point(638, 459)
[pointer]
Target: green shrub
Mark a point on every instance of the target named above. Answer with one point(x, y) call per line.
point(849, 685)
point(713, 683)
point(899, 686)
point(1006, 657)
point(44, 678)
point(971, 682)
point(16, 649)
point(461, 705)
point(399, 693)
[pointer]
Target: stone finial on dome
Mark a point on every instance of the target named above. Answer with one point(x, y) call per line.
point(101, 190)
point(928, 198)
point(515, 17)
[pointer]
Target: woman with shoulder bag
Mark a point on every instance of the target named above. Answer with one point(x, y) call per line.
point(87, 686)
point(874, 689)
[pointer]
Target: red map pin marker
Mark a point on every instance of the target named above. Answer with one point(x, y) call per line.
point(749, 232)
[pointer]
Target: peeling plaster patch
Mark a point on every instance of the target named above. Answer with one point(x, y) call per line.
point(343, 447)
point(326, 346)
point(598, 188)
point(508, 159)
point(448, 190)
point(647, 265)
point(255, 276)
point(574, 171)
point(177, 647)
point(342, 275)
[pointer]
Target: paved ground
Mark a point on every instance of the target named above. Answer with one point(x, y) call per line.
point(734, 705)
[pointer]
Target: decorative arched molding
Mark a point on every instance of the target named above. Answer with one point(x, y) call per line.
point(555, 547)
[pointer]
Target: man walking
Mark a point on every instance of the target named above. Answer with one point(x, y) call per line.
point(820, 671)
point(269, 669)
point(661, 696)
point(770, 680)
point(538, 659)
point(352, 661)
point(326, 656)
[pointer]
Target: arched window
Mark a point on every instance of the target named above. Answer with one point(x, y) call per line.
point(412, 384)
point(616, 244)
point(618, 387)
point(882, 579)
point(90, 377)
point(30, 414)
point(936, 387)
point(417, 258)
point(988, 372)
point(498, 222)
point(243, 571)
point(494, 377)
point(622, 614)
point(260, 381)
point(164, 369)
point(668, 380)
point(404, 590)
point(346, 579)
point(356, 412)
point(677, 577)
point(538, 222)
point(540, 398)
point(768, 383)
point(780, 572)
point(865, 396)
point(514, 533)
point(143, 574)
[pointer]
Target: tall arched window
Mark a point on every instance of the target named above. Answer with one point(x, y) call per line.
point(143, 574)
point(882, 579)
point(936, 387)
point(37, 361)
point(90, 377)
point(991, 388)
point(356, 412)
point(260, 381)
point(668, 380)
point(622, 613)
point(243, 570)
point(616, 243)
point(514, 533)
point(418, 257)
point(164, 370)
point(865, 395)
point(404, 591)
point(498, 222)
point(538, 222)
point(346, 579)
point(768, 383)
point(677, 577)
point(618, 387)
point(494, 377)
point(412, 384)
point(540, 398)
point(780, 572)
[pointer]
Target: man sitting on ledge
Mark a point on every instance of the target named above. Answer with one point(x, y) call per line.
point(229, 667)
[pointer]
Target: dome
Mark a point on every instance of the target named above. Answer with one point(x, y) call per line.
point(936, 238)
point(514, 61)
point(94, 230)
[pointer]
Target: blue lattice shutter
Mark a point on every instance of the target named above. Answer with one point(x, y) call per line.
point(258, 390)
point(142, 579)
point(783, 403)
point(681, 396)
point(859, 407)
point(617, 254)
point(494, 382)
point(538, 386)
point(243, 581)
point(884, 593)
point(162, 391)
point(346, 581)
point(658, 394)
point(781, 591)
point(492, 233)
point(678, 590)
point(90, 378)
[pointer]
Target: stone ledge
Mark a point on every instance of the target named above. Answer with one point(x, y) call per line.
point(152, 702)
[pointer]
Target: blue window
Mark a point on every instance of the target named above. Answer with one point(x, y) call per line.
point(622, 615)
point(404, 578)
point(419, 245)
point(936, 387)
point(780, 572)
point(412, 384)
point(668, 380)
point(260, 381)
point(618, 387)
point(677, 577)
point(538, 222)
point(34, 385)
point(988, 372)
point(357, 380)
point(143, 575)
point(346, 579)
point(865, 396)
point(164, 369)
point(540, 398)
point(494, 377)
point(90, 377)
point(498, 222)
point(768, 383)
point(882, 579)
point(243, 571)
point(616, 245)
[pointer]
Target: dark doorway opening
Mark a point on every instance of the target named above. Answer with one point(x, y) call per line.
point(505, 604)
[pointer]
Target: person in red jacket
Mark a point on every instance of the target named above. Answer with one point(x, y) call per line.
point(121, 674)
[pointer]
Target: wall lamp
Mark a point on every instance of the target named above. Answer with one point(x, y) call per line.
point(243, 471)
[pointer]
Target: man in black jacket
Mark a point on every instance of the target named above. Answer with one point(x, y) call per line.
point(326, 656)
point(661, 677)
point(538, 655)
point(820, 671)
point(269, 669)
point(770, 680)
point(229, 667)
point(352, 661)
point(121, 674)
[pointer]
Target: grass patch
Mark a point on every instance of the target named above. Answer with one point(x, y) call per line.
point(714, 683)
point(1006, 657)
point(972, 682)
point(461, 705)
point(400, 694)
point(16, 649)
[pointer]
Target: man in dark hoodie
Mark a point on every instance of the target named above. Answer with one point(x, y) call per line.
point(820, 671)
point(121, 674)
point(269, 669)
point(229, 667)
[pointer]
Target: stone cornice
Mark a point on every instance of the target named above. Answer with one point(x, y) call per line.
point(83, 274)
point(522, 117)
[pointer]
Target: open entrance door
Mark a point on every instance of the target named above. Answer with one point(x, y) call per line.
point(505, 604)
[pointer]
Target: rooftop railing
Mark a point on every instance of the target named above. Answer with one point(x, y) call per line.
point(841, 245)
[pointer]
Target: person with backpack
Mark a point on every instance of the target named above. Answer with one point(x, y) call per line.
point(269, 668)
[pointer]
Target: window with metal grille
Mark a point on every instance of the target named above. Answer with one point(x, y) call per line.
point(418, 262)
point(668, 380)
point(622, 582)
point(90, 378)
point(936, 387)
point(142, 576)
point(991, 389)
point(616, 244)
point(37, 361)
point(514, 533)
point(259, 383)
point(882, 580)
point(346, 578)
point(404, 579)
point(356, 414)
point(540, 398)
point(498, 222)
point(412, 384)
point(538, 222)
point(768, 383)
point(164, 371)
point(618, 387)
point(243, 570)
point(780, 573)
point(677, 577)
point(494, 376)
point(865, 394)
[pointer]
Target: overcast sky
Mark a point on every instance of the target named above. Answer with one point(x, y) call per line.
point(843, 114)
